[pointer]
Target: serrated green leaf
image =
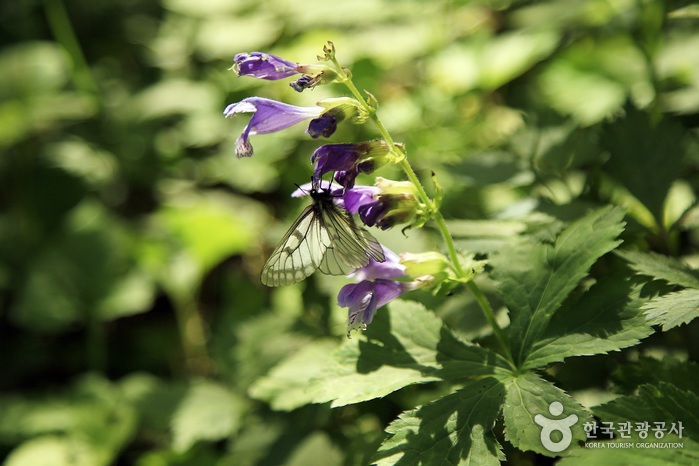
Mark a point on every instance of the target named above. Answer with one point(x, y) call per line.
point(456, 430)
point(646, 370)
point(661, 267)
point(607, 318)
point(208, 411)
point(685, 455)
point(663, 402)
point(673, 309)
point(529, 396)
point(535, 279)
point(284, 387)
point(645, 157)
point(404, 345)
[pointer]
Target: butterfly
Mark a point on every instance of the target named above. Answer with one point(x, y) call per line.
point(323, 237)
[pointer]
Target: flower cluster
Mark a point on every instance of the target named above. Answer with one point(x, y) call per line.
point(383, 205)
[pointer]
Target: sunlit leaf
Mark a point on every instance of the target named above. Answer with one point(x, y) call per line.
point(673, 309)
point(207, 412)
point(534, 279)
point(661, 267)
point(316, 450)
point(456, 429)
point(529, 396)
point(404, 345)
point(607, 318)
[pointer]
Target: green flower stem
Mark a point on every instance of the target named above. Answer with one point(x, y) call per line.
point(432, 208)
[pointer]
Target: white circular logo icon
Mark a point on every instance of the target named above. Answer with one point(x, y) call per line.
point(548, 426)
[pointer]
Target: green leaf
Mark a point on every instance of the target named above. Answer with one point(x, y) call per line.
point(86, 425)
point(404, 345)
point(455, 430)
point(208, 411)
point(485, 235)
point(193, 97)
point(192, 233)
point(87, 273)
point(489, 64)
point(686, 455)
point(53, 450)
point(646, 157)
point(673, 309)
point(284, 388)
point(535, 279)
point(646, 370)
point(661, 267)
point(607, 318)
point(316, 450)
point(603, 73)
point(663, 402)
point(529, 396)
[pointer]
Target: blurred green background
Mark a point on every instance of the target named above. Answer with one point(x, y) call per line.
point(133, 322)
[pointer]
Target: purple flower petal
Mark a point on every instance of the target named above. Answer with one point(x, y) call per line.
point(335, 157)
point(364, 298)
point(371, 212)
point(263, 66)
point(268, 116)
point(389, 269)
point(325, 126)
point(357, 196)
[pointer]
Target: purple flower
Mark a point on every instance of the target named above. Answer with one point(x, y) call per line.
point(375, 288)
point(325, 125)
point(358, 196)
point(364, 298)
point(263, 66)
point(373, 213)
point(349, 160)
point(337, 158)
point(268, 116)
point(387, 270)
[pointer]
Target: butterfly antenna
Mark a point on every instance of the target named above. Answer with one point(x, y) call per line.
point(300, 188)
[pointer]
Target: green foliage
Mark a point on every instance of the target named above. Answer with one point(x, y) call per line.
point(455, 429)
point(671, 309)
point(662, 402)
point(535, 279)
point(529, 395)
point(559, 138)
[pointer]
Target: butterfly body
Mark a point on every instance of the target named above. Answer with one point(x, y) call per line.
point(323, 237)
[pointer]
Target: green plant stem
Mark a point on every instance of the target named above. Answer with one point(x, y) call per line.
point(433, 210)
point(62, 29)
point(192, 336)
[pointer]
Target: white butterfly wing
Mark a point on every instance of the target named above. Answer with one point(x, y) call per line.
point(299, 253)
point(350, 246)
point(325, 237)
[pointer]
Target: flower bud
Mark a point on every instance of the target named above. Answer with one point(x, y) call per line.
point(426, 263)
